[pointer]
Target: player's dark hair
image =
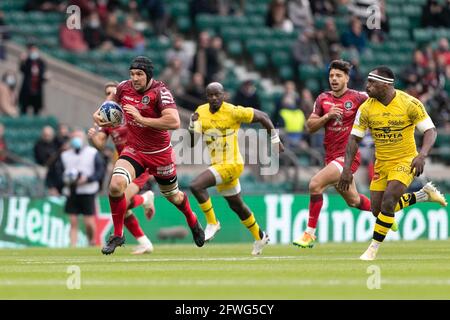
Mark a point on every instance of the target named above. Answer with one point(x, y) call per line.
point(385, 71)
point(145, 64)
point(341, 65)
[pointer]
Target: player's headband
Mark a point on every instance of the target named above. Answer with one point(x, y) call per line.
point(376, 77)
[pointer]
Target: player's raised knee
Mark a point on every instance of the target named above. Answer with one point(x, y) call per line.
point(315, 187)
point(195, 187)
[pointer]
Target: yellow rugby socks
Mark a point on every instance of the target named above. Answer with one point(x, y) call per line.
point(253, 227)
point(208, 210)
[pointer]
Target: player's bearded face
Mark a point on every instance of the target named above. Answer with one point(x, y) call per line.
point(338, 79)
point(138, 79)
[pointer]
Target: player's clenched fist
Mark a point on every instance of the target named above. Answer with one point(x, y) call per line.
point(98, 119)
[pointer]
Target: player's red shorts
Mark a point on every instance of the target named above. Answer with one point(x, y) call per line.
point(339, 163)
point(160, 165)
point(142, 179)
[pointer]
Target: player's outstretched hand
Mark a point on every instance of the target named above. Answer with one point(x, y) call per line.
point(280, 147)
point(417, 165)
point(345, 180)
point(132, 111)
point(98, 120)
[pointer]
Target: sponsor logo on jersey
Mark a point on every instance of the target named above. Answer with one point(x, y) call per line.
point(131, 99)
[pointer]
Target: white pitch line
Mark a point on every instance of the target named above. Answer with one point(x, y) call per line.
point(231, 259)
point(225, 282)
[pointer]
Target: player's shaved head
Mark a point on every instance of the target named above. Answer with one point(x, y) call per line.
point(214, 86)
point(215, 95)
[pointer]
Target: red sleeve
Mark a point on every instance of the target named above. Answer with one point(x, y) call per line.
point(318, 108)
point(105, 130)
point(362, 97)
point(119, 91)
point(165, 99)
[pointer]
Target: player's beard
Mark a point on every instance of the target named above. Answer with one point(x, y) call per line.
point(139, 89)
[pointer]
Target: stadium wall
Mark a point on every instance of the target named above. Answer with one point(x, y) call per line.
point(41, 222)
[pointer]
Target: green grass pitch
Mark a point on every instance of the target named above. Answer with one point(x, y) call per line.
point(407, 270)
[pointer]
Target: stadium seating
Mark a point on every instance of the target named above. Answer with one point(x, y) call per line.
point(22, 133)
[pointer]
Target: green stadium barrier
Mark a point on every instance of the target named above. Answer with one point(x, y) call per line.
point(41, 222)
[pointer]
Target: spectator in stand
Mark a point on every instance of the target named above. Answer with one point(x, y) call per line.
point(433, 15)
point(63, 135)
point(202, 6)
point(416, 70)
point(132, 38)
point(446, 14)
point(46, 153)
point(3, 145)
point(217, 47)
point(299, 12)
point(356, 36)
point(305, 49)
point(33, 71)
point(357, 79)
point(323, 7)
point(46, 146)
point(157, 15)
point(175, 77)
point(247, 95)
point(94, 35)
point(290, 93)
point(307, 102)
point(8, 95)
point(292, 120)
point(277, 18)
point(196, 91)
point(327, 37)
point(231, 7)
point(72, 39)
point(4, 35)
point(180, 52)
point(443, 51)
point(45, 5)
point(114, 29)
point(206, 60)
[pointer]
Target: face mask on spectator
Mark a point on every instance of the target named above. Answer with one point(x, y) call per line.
point(76, 143)
point(94, 23)
point(11, 81)
point(34, 55)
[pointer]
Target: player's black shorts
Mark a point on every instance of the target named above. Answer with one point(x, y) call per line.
point(81, 204)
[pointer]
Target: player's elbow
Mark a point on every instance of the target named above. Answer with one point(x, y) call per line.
point(174, 123)
point(309, 128)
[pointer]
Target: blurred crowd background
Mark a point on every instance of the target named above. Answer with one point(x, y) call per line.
point(272, 55)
